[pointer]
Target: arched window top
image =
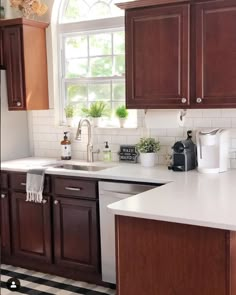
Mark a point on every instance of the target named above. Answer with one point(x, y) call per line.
point(82, 10)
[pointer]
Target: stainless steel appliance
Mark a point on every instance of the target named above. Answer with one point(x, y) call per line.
point(184, 154)
point(110, 192)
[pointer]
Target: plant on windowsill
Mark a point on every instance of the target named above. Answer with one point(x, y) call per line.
point(69, 112)
point(96, 110)
point(148, 147)
point(122, 114)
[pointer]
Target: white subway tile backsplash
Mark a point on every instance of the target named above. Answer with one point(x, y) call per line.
point(47, 137)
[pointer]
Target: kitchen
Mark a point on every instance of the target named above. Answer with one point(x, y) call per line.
point(45, 134)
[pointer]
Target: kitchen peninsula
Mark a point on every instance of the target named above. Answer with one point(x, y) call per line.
point(178, 238)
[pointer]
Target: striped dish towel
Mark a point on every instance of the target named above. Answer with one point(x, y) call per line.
point(34, 185)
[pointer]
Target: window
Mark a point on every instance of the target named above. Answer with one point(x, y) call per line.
point(92, 44)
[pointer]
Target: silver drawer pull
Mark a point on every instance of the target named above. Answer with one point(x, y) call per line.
point(77, 189)
point(23, 184)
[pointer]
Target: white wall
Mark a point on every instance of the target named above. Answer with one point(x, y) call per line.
point(14, 129)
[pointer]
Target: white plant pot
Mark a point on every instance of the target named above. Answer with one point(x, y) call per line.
point(148, 159)
point(69, 122)
point(95, 122)
point(122, 122)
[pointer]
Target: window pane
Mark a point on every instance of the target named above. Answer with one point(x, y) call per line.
point(118, 91)
point(76, 46)
point(80, 10)
point(76, 93)
point(75, 10)
point(101, 66)
point(76, 68)
point(119, 42)
point(99, 92)
point(119, 65)
point(100, 44)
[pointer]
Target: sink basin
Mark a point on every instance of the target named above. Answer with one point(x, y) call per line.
point(80, 167)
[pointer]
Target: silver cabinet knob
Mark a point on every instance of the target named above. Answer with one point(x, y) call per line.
point(3, 196)
point(56, 202)
point(199, 100)
point(44, 201)
point(18, 103)
point(184, 100)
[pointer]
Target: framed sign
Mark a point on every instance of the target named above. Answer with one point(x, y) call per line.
point(128, 153)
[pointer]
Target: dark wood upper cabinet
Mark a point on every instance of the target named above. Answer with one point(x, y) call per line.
point(76, 234)
point(215, 24)
point(157, 57)
point(31, 231)
point(1, 50)
point(25, 60)
point(180, 55)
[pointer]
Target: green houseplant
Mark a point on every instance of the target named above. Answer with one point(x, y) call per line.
point(148, 147)
point(69, 112)
point(122, 114)
point(96, 110)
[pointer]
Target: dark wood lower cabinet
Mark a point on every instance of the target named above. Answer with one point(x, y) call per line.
point(76, 234)
point(5, 224)
point(31, 229)
point(164, 258)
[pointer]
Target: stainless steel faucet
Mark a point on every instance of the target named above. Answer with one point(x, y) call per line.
point(90, 151)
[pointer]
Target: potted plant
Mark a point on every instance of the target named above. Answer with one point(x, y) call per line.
point(122, 114)
point(147, 148)
point(96, 110)
point(69, 112)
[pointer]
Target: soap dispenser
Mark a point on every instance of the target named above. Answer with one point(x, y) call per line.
point(65, 148)
point(106, 153)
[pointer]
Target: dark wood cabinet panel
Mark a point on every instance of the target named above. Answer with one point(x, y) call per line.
point(182, 259)
point(13, 55)
point(25, 60)
point(76, 234)
point(75, 187)
point(31, 231)
point(157, 57)
point(215, 24)
point(5, 224)
point(4, 180)
point(1, 51)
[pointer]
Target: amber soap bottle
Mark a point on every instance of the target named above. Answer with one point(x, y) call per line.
point(65, 148)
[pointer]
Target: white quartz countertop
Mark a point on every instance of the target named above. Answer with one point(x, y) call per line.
point(186, 197)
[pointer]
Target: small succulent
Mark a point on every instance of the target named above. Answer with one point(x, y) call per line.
point(96, 110)
point(121, 112)
point(148, 145)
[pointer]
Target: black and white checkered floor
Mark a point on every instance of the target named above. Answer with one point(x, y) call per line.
point(35, 283)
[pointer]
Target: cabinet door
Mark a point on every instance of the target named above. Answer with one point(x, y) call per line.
point(13, 57)
point(76, 234)
point(215, 24)
point(31, 228)
point(157, 57)
point(5, 224)
point(1, 50)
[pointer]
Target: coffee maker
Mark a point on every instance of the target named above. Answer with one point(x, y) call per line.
point(212, 150)
point(184, 154)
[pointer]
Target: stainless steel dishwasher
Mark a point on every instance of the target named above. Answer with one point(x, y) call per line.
point(111, 192)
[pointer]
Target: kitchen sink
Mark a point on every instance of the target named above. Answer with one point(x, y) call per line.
point(80, 167)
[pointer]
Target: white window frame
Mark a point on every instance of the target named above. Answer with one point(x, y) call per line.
point(70, 29)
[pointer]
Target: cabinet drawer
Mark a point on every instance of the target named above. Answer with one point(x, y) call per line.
point(4, 180)
point(75, 187)
point(18, 182)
